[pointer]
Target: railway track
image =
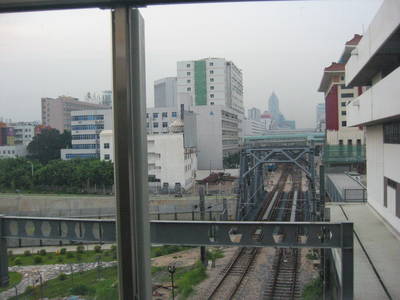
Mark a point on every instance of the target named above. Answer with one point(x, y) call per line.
point(233, 275)
point(284, 283)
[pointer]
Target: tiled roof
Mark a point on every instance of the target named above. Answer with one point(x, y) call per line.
point(335, 67)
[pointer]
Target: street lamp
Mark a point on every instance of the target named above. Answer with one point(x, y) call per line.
point(171, 270)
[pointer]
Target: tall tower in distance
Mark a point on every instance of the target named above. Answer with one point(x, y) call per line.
point(273, 105)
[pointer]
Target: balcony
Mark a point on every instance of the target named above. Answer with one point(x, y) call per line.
point(378, 103)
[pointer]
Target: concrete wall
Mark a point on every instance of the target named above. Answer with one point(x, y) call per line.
point(382, 26)
point(382, 161)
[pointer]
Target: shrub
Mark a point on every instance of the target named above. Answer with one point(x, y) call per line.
point(60, 259)
point(78, 257)
point(27, 253)
point(313, 290)
point(97, 248)
point(42, 252)
point(80, 289)
point(18, 261)
point(107, 253)
point(63, 251)
point(70, 255)
point(10, 253)
point(80, 249)
point(37, 259)
point(29, 289)
point(62, 277)
point(113, 248)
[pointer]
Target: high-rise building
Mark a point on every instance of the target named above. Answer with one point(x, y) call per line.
point(165, 93)
point(375, 63)
point(273, 106)
point(337, 97)
point(86, 126)
point(212, 81)
point(56, 113)
point(254, 114)
point(106, 98)
point(320, 116)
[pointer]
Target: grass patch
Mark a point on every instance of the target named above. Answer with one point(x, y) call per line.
point(86, 284)
point(167, 249)
point(69, 257)
point(186, 280)
point(14, 278)
point(313, 290)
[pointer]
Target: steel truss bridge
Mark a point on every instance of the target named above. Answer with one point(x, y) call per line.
point(336, 236)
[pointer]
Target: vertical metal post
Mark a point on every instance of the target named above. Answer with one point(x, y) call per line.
point(202, 207)
point(133, 230)
point(4, 279)
point(225, 208)
point(322, 191)
point(347, 288)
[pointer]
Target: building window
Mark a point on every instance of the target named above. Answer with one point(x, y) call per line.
point(211, 71)
point(343, 112)
point(188, 89)
point(211, 79)
point(343, 104)
point(165, 114)
point(106, 145)
point(188, 73)
point(211, 64)
point(341, 77)
point(147, 124)
point(187, 65)
point(155, 115)
point(347, 95)
point(211, 95)
point(174, 114)
point(106, 156)
point(147, 115)
point(350, 142)
point(212, 87)
point(358, 142)
point(155, 125)
point(211, 103)
point(344, 123)
point(164, 124)
point(341, 142)
point(391, 133)
point(188, 81)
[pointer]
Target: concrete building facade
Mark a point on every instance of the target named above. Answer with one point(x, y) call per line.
point(217, 135)
point(337, 97)
point(254, 114)
point(56, 113)
point(320, 117)
point(374, 63)
point(165, 93)
point(254, 127)
point(13, 151)
point(86, 126)
point(24, 132)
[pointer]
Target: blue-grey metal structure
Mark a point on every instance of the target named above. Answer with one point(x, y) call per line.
point(251, 181)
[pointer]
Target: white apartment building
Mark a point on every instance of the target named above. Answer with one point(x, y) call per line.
point(253, 127)
point(159, 119)
point(56, 113)
point(217, 135)
point(169, 159)
point(13, 151)
point(212, 81)
point(24, 132)
point(165, 93)
point(86, 126)
point(374, 62)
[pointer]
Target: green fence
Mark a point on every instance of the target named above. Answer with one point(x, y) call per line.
point(344, 154)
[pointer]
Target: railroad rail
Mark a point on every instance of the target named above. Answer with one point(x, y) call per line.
point(284, 283)
point(233, 275)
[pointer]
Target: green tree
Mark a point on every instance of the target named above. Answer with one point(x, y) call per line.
point(46, 146)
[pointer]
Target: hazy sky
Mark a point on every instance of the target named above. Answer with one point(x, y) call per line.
point(280, 46)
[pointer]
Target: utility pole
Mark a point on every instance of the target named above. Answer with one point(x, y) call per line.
point(203, 257)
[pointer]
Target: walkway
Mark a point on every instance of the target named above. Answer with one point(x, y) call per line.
point(376, 267)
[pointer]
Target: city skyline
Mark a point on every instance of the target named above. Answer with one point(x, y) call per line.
point(288, 60)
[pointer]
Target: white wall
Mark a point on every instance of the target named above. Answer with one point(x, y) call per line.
point(382, 161)
point(13, 151)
